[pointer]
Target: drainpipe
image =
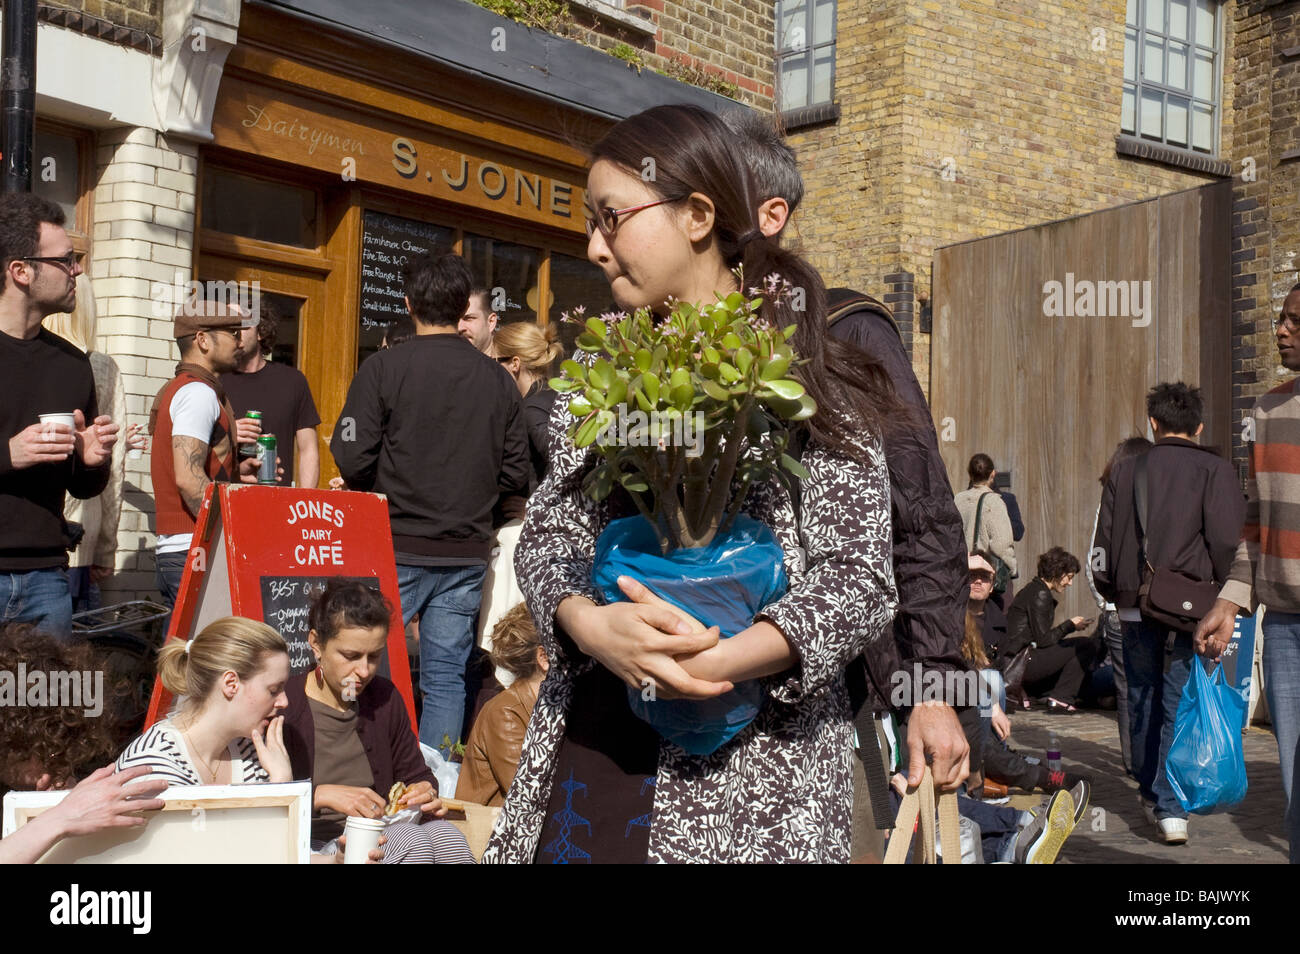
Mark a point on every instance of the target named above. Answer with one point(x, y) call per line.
point(18, 100)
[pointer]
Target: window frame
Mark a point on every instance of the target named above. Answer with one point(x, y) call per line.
point(82, 231)
point(809, 53)
point(1140, 82)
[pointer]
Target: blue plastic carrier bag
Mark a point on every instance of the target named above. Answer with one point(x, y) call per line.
point(1206, 764)
point(723, 584)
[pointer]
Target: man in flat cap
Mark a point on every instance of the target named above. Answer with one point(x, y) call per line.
point(193, 428)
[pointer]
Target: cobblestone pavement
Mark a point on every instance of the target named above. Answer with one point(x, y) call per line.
point(1118, 833)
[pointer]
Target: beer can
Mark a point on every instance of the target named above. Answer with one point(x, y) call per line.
point(266, 460)
point(250, 450)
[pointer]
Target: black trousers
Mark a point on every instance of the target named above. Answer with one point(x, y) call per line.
point(1058, 671)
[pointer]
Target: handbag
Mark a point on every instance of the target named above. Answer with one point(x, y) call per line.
point(1168, 596)
point(917, 810)
point(1001, 572)
point(1013, 675)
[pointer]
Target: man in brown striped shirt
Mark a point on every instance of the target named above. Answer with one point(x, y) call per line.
point(1267, 565)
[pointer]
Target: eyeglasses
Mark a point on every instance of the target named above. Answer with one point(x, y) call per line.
point(981, 576)
point(606, 219)
point(505, 360)
point(68, 261)
point(1290, 322)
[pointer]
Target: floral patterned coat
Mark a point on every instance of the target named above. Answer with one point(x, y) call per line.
point(782, 790)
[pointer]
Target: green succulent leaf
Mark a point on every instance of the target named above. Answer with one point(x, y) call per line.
point(776, 368)
point(786, 388)
point(643, 359)
point(597, 328)
point(580, 407)
point(794, 467)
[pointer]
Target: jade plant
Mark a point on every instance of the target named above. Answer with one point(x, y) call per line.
point(669, 404)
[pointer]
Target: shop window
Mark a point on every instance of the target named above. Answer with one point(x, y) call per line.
point(575, 281)
point(388, 242)
point(508, 271)
point(1171, 73)
point(259, 209)
point(805, 52)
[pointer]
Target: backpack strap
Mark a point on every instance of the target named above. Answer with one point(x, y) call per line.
point(1140, 504)
point(975, 536)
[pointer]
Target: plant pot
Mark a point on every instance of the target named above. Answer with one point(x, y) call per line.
point(723, 584)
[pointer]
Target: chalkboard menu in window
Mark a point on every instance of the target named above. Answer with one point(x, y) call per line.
point(286, 601)
point(388, 242)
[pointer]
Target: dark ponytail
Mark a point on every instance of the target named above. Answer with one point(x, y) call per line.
point(693, 151)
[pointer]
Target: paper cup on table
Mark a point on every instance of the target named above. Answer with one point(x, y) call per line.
point(363, 837)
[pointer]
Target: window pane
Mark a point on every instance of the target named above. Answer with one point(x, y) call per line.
point(1206, 35)
point(508, 271)
point(1126, 121)
point(1152, 104)
point(1176, 66)
point(56, 173)
point(1179, 19)
point(1155, 10)
point(1153, 60)
point(1202, 128)
point(1203, 82)
point(288, 313)
point(388, 242)
point(575, 281)
point(822, 69)
point(794, 26)
point(257, 209)
point(1176, 121)
point(794, 82)
point(1130, 55)
point(1131, 17)
point(824, 21)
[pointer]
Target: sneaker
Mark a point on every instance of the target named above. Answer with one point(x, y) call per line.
point(1040, 841)
point(1081, 791)
point(1174, 830)
point(1058, 780)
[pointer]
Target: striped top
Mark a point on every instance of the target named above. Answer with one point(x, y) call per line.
point(1266, 568)
point(162, 749)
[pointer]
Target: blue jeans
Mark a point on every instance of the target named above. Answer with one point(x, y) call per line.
point(1153, 696)
point(1282, 685)
point(447, 599)
point(1113, 633)
point(40, 597)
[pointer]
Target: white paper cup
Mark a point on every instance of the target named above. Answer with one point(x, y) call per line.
point(363, 837)
point(68, 418)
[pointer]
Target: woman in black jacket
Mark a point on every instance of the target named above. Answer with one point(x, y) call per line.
point(1056, 670)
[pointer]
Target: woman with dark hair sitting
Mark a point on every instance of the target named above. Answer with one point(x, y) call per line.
point(1056, 670)
point(492, 752)
point(347, 729)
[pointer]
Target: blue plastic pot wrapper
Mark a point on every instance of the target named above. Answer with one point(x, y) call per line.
point(723, 584)
point(1206, 764)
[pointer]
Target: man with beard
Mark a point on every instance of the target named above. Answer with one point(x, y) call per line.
point(479, 321)
point(193, 428)
point(1267, 564)
point(42, 374)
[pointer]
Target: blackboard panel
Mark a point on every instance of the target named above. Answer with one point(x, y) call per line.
point(286, 601)
point(388, 242)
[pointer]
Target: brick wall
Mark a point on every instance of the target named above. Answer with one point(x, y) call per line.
point(144, 234)
point(1266, 211)
point(143, 15)
point(960, 121)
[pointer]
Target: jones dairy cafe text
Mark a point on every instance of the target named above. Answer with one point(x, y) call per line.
point(319, 548)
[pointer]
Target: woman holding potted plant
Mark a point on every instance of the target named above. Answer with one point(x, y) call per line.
point(673, 213)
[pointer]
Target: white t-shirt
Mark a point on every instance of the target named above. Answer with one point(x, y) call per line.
point(195, 411)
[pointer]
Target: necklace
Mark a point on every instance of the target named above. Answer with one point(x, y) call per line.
point(194, 750)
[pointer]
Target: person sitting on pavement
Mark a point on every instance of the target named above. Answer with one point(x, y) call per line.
point(1056, 668)
point(347, 729)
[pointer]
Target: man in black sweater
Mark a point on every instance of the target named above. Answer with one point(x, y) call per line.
point(41, 374)
point(439, 428)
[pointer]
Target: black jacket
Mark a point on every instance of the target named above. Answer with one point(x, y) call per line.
point(1029, 620)
point(930, 565)
point(438, 428)
point(1013, 514)
point(1195, 509)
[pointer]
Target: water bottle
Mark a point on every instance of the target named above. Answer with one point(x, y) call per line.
point(1053, 754)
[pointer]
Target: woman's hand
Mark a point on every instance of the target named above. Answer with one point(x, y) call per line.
point(1001, 724)
point(351, 800)
point(374, 857)
point(637, 643)
point(421, 795)
point(271, 751)
point(1080, 622)
point(105, 800)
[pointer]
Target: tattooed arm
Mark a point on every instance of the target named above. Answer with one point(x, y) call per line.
point(189, 455)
